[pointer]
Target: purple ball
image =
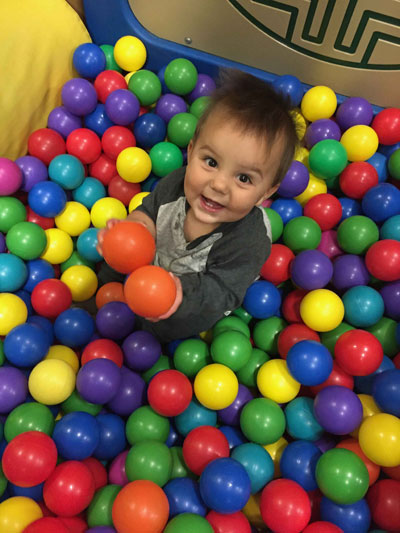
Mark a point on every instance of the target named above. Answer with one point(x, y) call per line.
point(320, 130)
point(79, 96)
point(169, 105)
point(122, 107)
point(141, 350)
point(311, 270)
point(354, 111)
point(338, 410)
point(62, 121)
point(390, 293)
point(114, 320)
point(325, 443)
point(205, 85)
point(295, 181)
point(2, 244)
point(231, 414)
point(101, 529)
point(98, 381)
point(131, 393)
point(13, 388)
point(349, 271)
point(33, 170)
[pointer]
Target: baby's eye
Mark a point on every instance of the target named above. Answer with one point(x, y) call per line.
point(210, 162)
point(244, 178)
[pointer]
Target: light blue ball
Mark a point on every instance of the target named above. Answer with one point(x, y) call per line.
point(390, 229)
point(13, 273)
point(88, 192)
point(193, 416)
point(257, 463)
point(300, 419)
point(86, 245)
point(67, 171)
point(363, 305)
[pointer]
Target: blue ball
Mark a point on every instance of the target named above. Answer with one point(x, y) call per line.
point(257, 463)
point(149, 129)
point(47, 199)
point(184, 497)
point(350, 208)
point(225, 486)
point(300, 419)
point(13, 273)
point(173, 439)
point(351, 518)
point(74, 327)
point(386, 391)
point(112, 437)
point(26, 297)
point(364, 384)
point(98, 121)
point(298, 462)
point(88, 192)
point(76, 435)
point(262, 300)
point(309, 362)
point(86, 245)
point(89, 60)
point(26, 345)
point(35, 492)
point(287, 208)
point(390, 229)
point(387, 150)
point(45, 324)
point(381, 202)
point(379, 162)
point(233, 435)
point(161, 77)
point(363, 305)
point(38, 270)
point(149, 183)
point(66, 171)
point(193, 416)
point(289, 86)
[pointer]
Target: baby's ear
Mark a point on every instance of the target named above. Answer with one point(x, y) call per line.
point(268, 194)
point(190, 149)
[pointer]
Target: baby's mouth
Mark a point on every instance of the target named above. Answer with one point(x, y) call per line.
point(210, 204)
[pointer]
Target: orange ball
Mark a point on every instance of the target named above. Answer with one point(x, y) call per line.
point(150, 291)
point(373, 469)
point(110, 292)
point(128, 246)
point(142, 505)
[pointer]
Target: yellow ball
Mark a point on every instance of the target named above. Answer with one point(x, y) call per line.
point(59, 246)
point(379, 438)
point(137, 200)
point(130, 53)
point(51, 381)
point(105, 209)
point(82, 282)
point(129, 76)
point(216, 386)
point(299, 122)
point(64, 353)
point(252, 510)
point(360, 142)
point(275, 450)
point(74, 219)
point(369, 408)
point(133, 164)
point(17, 513)
point(13, 312)
point(318, 102)
point(315, 186)
point(275, 382)
point(322, 310)
point(302, 154)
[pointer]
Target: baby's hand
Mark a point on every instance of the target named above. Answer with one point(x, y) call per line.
point(175, 305)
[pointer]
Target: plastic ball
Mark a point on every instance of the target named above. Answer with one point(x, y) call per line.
point(379, 438)
point(383, 499)
point(105, 209)
point(325, 209)
point(349, 271)
point(98, 380)
point(327, 159)
point(133, 164)
point(318, 102)
point(315, 186)
point(301, 233)
point(386, 390)
point(322, 310)
point(110, 292)
point(51, 381)
point(74, 219)
point(338, 409)
point(67, 171)
point(103, 169)
point(180, 76)
point(358, 352)
point(115, 320)
point(275, 382)
point(146, 86)
point(262, 421)
point(387, 126)
point(295, 180)
point(26, 240)
point(45, 144)
point(262, 299)
point(89, 60)
point(122, 107)
point(59, 246)
point(311, 269)
point(321, 130)
point(112, 436)
point(276, 267)
point(360, 142)
point(298, 462)
point(358, 178)
point(141, 350)
point(62, 121)
point(13, 312)
point(169, 393)
point(17, 513)
point(354, 111)
point(287, 209)
point(130, 53)
point(364, 306)
point(12, 211)
point(394, 164)
point(149, 129)
point(26, 345)
point(79, 96)
point(84, 144)
point(165, 157)
point(181, 129)
point(47, 199)
point(383, 260)
point(184, 497)
point(289, 86)
point(76, 435)
point(257, 462)
point(144, 424)
point(108, 81)
point(149, 460)
point(81, 281)
point(231, 348)
point(115, 139)
point(13, 272)
point(203, 445)
point(309, 362)
point(216, 386)
point(10, 177)
point(351, 517)
point(381, 202)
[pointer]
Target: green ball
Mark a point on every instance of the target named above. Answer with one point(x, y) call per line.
point(247, 375)
point(329, 338)
point(262, 421)
point(179, 468)
point(165, 157)
point(188, 523)
point(385, 331)
point(180, 76)
point(2, 356)
point(76, 259)
point(146, 86)
point(75, 402)
point(276, 222)
point(12, 211)
point(29, 416)
point(327, 159)
point(99, 512)
point(164, 363)
point(243, 315)
point(394, 164)
point(356, 234)
point(342, 476)
point(111, 64)
point(27, 240)
point(149, 460)
point(190, 356)
point(232, 349)
point(3, 481)
point(199, 106)
point(302, 233)
point(145, 424)
point(266, 333)
point(229, 323)
point(181, 129)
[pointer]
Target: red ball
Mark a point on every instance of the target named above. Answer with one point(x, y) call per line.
point(291, 305)
point(43, 222)
point(229, 523)
point(383, 260)
point(98, 471)
point(115, 139)
point(396, 360)
point(123, 190)
point(169, 393)
point(29, 458)
point(84, 144)
point(357, 178)
point(392, 471)
point(47, 524)
point(337, 377)
point(150, 291)
point(325, 209)
point(384, 502)
point(51, 297)
point(107, 82)
point(45, 144)
point(69, 489)
point(103, 169)
point(202, 445)
point(276, 268)
point(285, 506)
point(102, 349)
point(128, 246)
point(387, 125)
point(293, 334)
point(358, 352)
point(75, 524)
point(322, 527)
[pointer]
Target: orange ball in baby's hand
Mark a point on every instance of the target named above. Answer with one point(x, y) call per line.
point(150, 291)
point(128, 246)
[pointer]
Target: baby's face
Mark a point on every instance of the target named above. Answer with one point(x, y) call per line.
point(228, 172)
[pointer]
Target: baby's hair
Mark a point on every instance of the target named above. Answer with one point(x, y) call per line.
point(257, 109)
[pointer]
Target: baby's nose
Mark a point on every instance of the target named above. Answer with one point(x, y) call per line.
point(220, 183)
